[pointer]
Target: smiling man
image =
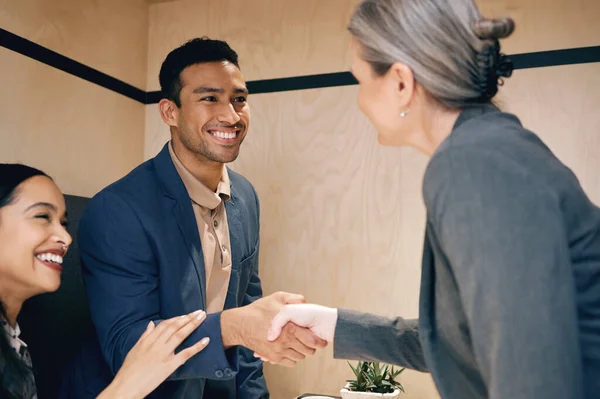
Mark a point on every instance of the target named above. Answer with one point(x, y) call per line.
point(180, 233)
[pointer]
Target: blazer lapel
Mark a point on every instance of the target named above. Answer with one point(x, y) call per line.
point(183, 212)
point(235, 232)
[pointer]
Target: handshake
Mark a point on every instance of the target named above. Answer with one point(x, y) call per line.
point(280, 328)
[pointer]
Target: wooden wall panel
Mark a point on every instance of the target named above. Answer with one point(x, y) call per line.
point(274, 38)
point(547, 24)
point(83, 135)
point(342, 218)
point(108, 35)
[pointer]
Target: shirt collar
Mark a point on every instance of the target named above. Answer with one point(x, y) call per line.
point(14, 332)
point(197, 191)
point(13, 335)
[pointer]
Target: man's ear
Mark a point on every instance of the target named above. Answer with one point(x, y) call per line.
point(169, 112)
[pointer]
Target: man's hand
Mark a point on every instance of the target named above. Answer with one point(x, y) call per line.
point(249, 326)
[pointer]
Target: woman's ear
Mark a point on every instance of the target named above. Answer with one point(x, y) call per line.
point(404, 82)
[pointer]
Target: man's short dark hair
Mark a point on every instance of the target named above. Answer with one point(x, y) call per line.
point(195, 51)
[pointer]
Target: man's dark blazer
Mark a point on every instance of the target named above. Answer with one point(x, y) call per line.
point(143, 261)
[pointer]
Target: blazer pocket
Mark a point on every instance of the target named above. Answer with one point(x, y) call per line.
point(246, 267)
point(252, 255)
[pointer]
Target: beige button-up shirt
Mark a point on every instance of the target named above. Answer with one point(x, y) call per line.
point(211, 218)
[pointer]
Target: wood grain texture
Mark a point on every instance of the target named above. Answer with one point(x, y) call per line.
point(547, 24)
point(158, 1)
point(108, 35)
point(273, 38)
point(81, 134)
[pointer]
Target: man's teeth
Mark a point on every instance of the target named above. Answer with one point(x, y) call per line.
point(224, 135)
point(50, 258)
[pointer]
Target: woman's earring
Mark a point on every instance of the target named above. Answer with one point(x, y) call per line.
point(403, 113)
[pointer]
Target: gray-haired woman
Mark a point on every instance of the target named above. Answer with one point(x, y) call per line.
point(510, 290)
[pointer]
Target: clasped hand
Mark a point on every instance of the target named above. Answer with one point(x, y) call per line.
point(298, 329)
point(291, 345)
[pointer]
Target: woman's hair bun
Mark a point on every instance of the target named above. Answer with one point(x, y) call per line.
point(494, 28)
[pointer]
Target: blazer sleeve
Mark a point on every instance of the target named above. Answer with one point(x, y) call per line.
point(368, 337)
point(122, 281)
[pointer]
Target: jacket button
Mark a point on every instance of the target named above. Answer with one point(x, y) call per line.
point(219, 374)
point(228, 372)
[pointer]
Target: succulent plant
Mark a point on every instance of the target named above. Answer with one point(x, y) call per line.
point(373, 377)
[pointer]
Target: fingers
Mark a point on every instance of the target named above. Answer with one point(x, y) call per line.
point(193, 322)
point(292, 354)
point(188, 353)
point(263, 358)
point(293, 298)
point(288, 358)
point(287, 297)
point(287, 354)
point(165, 330)
point(148, 330)
point(280, 320)
point(310, 340)
point(291, 347)
point(290, 340)
point(282, 362)
point(302, 349)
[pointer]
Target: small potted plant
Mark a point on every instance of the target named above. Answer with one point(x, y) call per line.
point(372, 381)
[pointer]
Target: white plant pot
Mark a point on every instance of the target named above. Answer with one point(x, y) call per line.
point(347, 394)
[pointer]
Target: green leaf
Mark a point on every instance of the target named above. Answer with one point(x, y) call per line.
point(374, 377)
